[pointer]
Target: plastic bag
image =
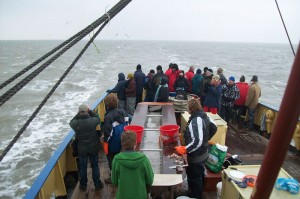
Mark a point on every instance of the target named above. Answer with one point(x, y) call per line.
point(287, 184)
point(232, 160)
point(216, 158)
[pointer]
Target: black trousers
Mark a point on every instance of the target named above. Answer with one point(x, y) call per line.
point(195, 178)
point(110, 157)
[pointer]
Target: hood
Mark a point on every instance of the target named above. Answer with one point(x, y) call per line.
point(198, 76)
point(199, 113)
point(163, 81)
point(131, 160)
point(121, 76)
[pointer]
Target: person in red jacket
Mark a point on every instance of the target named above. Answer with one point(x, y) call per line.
point(172, 77)
point(189, 75)
point(239, 104)
point(169, 71)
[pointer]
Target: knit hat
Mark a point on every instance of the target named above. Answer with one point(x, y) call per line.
point(83, 108)
point(216, 77)
point(198, 71)
point(210, 70)
point(242, 79)
point(254, 78)
point(130, 76)
point(232, 78)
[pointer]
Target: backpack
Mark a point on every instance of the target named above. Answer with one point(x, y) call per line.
point(114, 143)
point(181, 95)
point(163, 94)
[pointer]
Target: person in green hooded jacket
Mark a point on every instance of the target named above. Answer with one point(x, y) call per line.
point(131, 170)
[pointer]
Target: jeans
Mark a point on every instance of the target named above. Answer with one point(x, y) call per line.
point(195, 175)
point(83, 162)
point(251, 113)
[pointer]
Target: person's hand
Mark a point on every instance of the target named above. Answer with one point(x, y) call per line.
point(181, 150)
point(105, 147)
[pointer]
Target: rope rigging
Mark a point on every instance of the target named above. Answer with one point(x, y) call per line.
point(113, 12)
point(285, 28)
point(109, 15)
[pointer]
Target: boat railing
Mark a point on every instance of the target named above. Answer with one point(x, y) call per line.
point(266, 117)
point(51, 179)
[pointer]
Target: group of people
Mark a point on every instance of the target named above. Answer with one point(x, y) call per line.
point(130, 170)
point(230, 99)
point(216, 94)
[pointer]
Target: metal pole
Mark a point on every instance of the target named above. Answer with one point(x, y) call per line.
point(282, 134)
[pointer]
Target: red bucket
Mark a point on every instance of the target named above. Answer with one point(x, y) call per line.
point(137, 129)
point(169, 133)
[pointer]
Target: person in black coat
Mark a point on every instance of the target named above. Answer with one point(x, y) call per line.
point(84, 125)
point(157, 78)
point(148, 85)
point(114, 121)
point(181, 83)
point(120, 90)
point(162, 93)
point(139, 78)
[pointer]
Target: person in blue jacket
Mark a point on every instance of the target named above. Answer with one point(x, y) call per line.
point(114, 121)
point(213, 95)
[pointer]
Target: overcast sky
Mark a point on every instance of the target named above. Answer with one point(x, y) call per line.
point(201, 20)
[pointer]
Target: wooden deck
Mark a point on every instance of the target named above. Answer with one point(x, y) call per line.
point(250, 146)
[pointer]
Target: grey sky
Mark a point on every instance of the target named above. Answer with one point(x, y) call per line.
point(202, 20)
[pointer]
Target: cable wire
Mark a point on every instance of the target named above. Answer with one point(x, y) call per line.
point(285, 28)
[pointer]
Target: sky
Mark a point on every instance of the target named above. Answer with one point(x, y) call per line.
point(187, 20)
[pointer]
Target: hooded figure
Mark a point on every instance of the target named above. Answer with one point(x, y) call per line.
point(196, 82)
point(120, 90)
point(139, 78)
point(131, 170)
point(162, 93)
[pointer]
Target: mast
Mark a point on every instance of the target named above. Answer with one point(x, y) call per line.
point(282, 134)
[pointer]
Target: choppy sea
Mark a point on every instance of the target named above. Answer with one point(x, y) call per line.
point(97, 71)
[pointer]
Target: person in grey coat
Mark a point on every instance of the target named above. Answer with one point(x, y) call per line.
point(84, 125)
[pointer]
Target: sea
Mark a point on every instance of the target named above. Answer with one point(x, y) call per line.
point(97, 71)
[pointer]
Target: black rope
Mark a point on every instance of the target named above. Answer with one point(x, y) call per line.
point(35, 63)
point(108, 16)
point(9, 146)
point(285, 28)
point(114, 11)
point(95, 24)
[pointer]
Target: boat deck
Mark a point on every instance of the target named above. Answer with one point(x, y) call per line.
point(250, 146)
